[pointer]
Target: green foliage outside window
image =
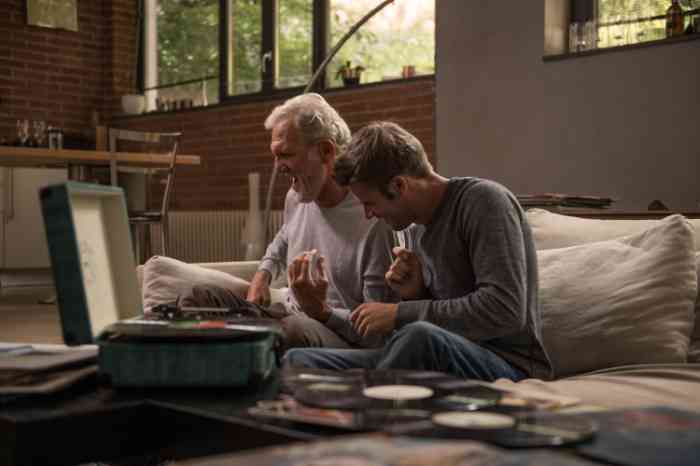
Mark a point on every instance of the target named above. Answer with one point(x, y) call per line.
point(295, 23)
point(622, 22)
point(188, 40)
point(245, 42)
point(401, 36)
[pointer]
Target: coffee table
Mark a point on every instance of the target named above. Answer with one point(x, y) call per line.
point(94, 422)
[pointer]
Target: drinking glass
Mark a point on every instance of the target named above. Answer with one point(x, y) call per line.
point(22, 132)
point(573, 37)
point(39, 127)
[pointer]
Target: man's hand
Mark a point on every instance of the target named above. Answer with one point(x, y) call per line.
point(374, 318)
point(309, 292)
point(259, 289)
point(405, 276)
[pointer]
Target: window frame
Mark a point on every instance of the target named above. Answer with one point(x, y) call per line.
point(319, 43)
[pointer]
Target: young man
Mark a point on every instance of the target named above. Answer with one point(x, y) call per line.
point(469, 283)
point(319, 216)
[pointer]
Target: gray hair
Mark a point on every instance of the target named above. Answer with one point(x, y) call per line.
point(379, 152)
point(313, 117)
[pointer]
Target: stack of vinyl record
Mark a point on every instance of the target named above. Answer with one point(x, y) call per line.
point(432, 404)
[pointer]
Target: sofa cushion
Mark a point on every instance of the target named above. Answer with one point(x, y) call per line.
point(624, 301)
point(694, 352)
point(550, 230)
point(164, 278)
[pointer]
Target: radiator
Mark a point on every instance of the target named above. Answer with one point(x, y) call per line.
point(209, 236)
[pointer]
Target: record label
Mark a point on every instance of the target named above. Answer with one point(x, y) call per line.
point(473, 421)
point(398, 392)
point(329, 387)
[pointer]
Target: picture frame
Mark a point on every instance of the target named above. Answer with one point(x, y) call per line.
point(58, 14)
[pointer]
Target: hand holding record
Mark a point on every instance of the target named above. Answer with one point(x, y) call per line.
point(307, 279)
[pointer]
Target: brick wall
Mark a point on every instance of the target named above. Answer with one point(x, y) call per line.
point(63, 76)
point(51, 74)
point(232, 141)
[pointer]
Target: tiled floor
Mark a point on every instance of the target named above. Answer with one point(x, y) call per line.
point(24, 319)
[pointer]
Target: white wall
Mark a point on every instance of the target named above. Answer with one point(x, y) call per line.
point(622, 124)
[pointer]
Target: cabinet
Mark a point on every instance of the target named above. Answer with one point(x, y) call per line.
point(23, 237)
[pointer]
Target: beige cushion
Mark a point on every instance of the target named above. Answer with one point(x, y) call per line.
point(694, 352)
point(624, 301)
point(550, 230)
point(164, 278)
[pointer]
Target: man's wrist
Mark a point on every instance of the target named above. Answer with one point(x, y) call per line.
point(263, 276)
point(323, 314)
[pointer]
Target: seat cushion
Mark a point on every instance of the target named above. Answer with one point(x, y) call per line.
point(624, 301)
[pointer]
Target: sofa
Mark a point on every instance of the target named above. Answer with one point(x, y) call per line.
point(618, 297)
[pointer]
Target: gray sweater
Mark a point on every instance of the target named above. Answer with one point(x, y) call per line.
point(356, 251)
point(480, 270)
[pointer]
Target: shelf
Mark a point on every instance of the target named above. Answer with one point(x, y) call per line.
point(640, 45)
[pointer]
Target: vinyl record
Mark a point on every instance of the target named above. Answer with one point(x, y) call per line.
point(331, 395)
point(292, 378)
point(546, 431)
point(473, 422)
point(467, 398)
point(398, 392)
point(529, 431)
point(426, 378)
point(386, 418)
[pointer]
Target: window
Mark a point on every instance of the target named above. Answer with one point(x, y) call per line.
point(207, 50)
point(398, 42)
point(295, 47)
point(245, 46)
point(181, 60)
point(625, 22)
point(622, 22)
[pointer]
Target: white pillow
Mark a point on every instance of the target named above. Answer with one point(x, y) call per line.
point(624, 301)
point(164, 278)
point(550, 230)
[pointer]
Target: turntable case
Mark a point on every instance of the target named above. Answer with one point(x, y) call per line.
point(99, 302)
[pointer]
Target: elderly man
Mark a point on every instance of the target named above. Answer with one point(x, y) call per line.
point(469, 282)
point(320, 218)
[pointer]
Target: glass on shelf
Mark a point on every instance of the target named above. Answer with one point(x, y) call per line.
point(22, 132)
point(582, 36)
point(39, 129)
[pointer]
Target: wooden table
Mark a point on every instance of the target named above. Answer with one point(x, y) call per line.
point(77, 160)
point(24, 209)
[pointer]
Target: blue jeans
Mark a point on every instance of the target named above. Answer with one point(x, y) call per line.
point(418, 346)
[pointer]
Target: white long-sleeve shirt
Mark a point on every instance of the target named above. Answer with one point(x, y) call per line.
point(356, 251)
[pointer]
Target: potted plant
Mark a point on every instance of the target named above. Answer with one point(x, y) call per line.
point(350, 74)
point(132, 103)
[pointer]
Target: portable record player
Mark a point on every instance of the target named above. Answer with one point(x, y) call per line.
point(99, 301)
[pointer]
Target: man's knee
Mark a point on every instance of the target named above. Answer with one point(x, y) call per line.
point(295, 332)
point(301, 331)
point(196, 296)
point(415, 333)
point(216, 296)
point(296, 357)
